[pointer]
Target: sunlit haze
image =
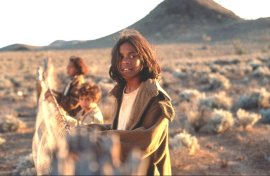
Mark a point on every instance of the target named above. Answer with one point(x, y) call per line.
point(40, 22)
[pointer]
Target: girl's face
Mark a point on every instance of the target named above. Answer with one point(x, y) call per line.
point(85, 102)
point(71, 69)
point(130, 64)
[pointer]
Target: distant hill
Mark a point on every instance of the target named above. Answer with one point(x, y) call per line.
point(19, 47)
point(63, 43)
point(180, 21)
point(76, 44)
point(246, 30)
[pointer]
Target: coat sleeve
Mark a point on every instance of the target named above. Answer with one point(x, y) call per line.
point(150, 135)
point(71, 121)
point(70, 101)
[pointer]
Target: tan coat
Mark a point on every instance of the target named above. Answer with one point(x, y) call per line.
point(148, 126)
point(70, 101)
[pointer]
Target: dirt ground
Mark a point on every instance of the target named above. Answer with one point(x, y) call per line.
point(236, 152)
point(233, 153)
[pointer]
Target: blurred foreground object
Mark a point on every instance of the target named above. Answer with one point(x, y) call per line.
point(80, 151)
point(49, 127)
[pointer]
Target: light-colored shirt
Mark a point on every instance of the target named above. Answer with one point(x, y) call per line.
point(126, 109)
point(85, 118)
point(92, 116)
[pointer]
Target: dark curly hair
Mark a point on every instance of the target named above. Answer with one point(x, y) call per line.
point(90, 90)
point(151, 68)
point(81, 67)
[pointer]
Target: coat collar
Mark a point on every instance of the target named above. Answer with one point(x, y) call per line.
point(148, 89)
point(76, 79)
point(150, 86)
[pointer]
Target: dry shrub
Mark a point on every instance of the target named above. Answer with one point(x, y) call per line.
point(25, 166)
point(257, 98)
point(247, 119)
point(198, 109)
point(264, 98)
point(215, 68)
point(261, 72)
point(189, 105)
point(243, 69)
point(223, 62)
point(267, 62)
point(206, 38)
point(265, 115)
point(15, 96)
point(198, 118)
point(227, 70)
point(184, 141)
point(2, 141)
point(216, 81)
point(217, 101)
point(249, 101)
point(179, 73)
point(3, 93)
point(16, 81)
point(10, 123)
point(190, 95)
point(254, 64)
point(189, 99)
point(220, 121)
point(238, 47)
point(199, 70)
point(5, 83)
point(231, 68)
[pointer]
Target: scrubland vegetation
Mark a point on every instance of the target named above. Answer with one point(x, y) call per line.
point(220, 93)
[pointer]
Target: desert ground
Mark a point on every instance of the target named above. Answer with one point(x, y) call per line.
point(220, 92)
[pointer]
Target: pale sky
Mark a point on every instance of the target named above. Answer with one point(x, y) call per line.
point(40, 22)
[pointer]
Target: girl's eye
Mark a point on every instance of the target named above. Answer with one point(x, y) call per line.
point(130, 56)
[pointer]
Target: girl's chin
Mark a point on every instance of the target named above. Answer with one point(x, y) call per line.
point(127, 77)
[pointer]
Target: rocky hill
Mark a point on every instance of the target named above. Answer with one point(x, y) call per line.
point(178, 18)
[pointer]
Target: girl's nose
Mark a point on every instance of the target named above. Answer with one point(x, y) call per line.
point(126, 60)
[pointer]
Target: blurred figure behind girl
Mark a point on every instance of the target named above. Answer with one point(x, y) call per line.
point(68, 99)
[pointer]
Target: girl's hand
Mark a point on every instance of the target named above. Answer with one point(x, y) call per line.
point(48, 94)
point(51, 93)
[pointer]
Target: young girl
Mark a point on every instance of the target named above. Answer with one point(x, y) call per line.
point(143, 109)
point(69, 98)
point(89, 96)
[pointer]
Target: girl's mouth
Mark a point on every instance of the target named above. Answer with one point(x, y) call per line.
point(126, 69)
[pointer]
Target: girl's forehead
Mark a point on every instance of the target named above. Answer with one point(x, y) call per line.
point(126, 47)
point(84, 97)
